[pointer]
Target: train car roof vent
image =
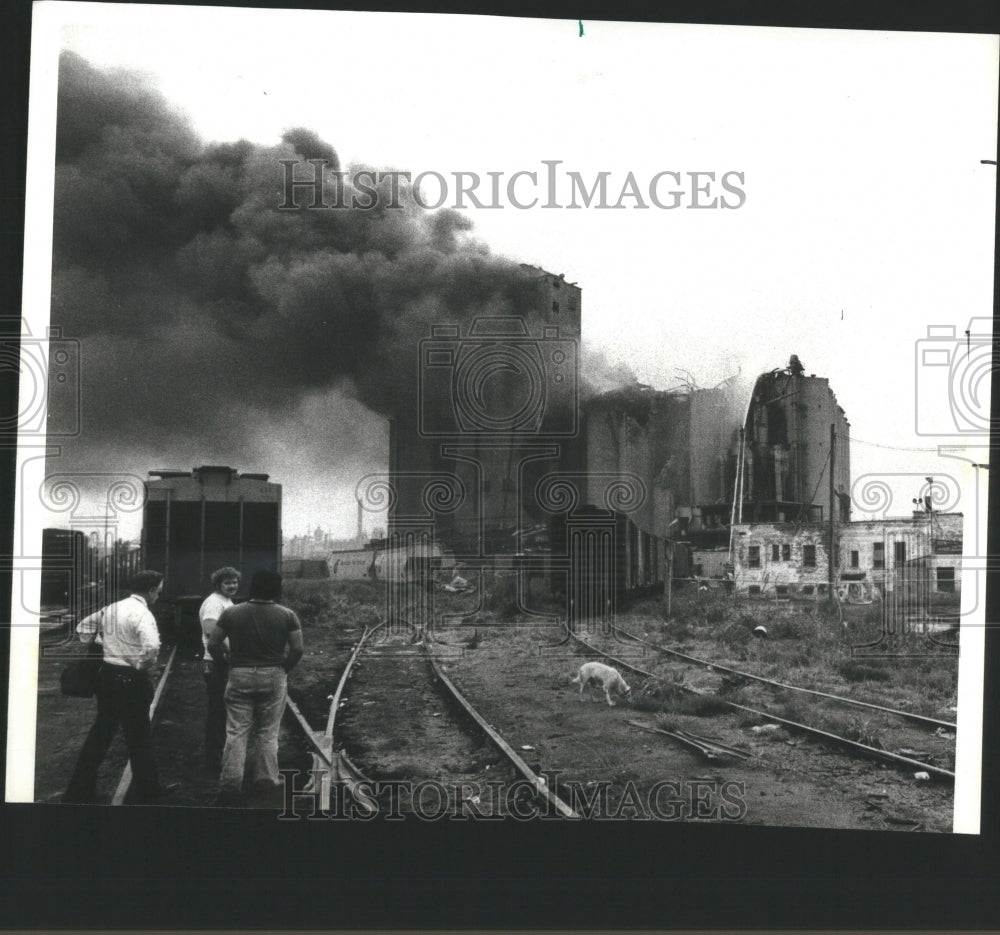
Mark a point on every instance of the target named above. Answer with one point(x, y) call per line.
point(255, 476)
point(213, 469)
point(168, 472)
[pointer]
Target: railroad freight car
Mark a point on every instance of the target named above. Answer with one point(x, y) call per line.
point(77, 579)
point(383, 562)
point(71, 581)
point(304, 568)
point(197, 521)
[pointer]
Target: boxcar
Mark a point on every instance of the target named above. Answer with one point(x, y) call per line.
point(195, 522)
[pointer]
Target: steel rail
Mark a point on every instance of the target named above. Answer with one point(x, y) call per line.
point(805, 728)
point(344, 770)
point(329, 767)
point(126, 779)
point(918, 718)
point(539, 784)
point(335, 700)
point(711, 749)
point(314, 737)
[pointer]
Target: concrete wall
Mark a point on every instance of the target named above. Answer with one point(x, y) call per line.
point(788, 446)
point(642, 433)
point(493, 469)
point(716, 416)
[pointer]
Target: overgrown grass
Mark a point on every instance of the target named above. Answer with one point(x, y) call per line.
point(854, 671)
point(500, 596)
point(663, 697)
point(320, 602)
point(807, 644)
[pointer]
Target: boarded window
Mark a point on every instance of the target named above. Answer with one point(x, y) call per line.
point(947, 546)
point(900, 552)
point(786, 553)
point(809, 556)
point(774, 553)
point(946, 579)
point(753, 556)
point(855, 559)
point(879, 555)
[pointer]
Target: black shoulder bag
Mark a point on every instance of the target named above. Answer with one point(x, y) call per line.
point(79, 678)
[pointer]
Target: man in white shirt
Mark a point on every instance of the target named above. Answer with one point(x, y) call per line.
point(225, 582)
point(127, 630)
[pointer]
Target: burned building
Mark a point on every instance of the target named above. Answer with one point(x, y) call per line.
point(494, 411)
point(913, 562)
point(674, 443)
point(503, 457)
point(711, 460)
point(795, 433)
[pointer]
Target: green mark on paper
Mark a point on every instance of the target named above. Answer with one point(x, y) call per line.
point(580, 21)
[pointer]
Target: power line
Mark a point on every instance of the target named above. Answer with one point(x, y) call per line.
point(861, 441)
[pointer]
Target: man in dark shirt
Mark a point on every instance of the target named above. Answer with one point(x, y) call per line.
point(265, 644)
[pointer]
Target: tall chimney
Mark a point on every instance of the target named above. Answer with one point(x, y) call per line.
point(361, 533)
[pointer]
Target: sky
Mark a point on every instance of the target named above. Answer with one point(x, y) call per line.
point(866, 216)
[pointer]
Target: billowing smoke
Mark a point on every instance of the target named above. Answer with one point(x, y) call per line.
point(211, 320)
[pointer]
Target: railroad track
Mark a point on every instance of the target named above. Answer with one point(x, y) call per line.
point(419, 739)
point(853, 746)
point(906, 715)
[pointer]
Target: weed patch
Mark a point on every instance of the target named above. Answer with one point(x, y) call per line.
point(854, 671)
point(673, 698)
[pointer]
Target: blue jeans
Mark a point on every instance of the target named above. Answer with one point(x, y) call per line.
point(255, 701)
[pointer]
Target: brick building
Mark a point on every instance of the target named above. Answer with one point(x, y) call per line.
point(917, 559)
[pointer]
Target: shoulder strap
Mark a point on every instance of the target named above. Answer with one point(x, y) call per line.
point(98, 628)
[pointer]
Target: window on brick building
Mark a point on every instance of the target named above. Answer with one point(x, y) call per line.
point(855, 559)
point(899, 552)
point(786, 553)
point(774, 553)
point(754, 590)
point(781, 590)
point(946, 579)
point(878, 557)
point(753, 556)
point(809, 556)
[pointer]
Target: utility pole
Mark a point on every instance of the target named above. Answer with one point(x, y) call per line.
point(668, 555)
point(833, 515)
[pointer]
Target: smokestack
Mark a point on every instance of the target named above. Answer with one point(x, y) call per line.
point(361, 533)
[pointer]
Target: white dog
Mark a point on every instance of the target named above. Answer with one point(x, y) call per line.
point(605, 676)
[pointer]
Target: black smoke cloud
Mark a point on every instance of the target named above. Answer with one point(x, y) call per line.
point(206, 313)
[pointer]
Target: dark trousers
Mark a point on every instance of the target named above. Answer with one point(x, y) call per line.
point(216, 676)
point(123, 697)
